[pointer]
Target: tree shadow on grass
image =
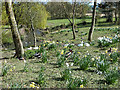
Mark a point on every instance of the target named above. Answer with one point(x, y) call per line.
point(4, 58)
point(58, 79)
point(89, 70)
point(53, 63)
point(76, 69)
point(101, 81)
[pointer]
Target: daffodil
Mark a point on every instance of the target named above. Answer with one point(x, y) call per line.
point(14, 67)
point(78, 52)
point(81, 86)
point(67, 64)
point(31, 85)
point(85, 55)
point(11, 70)
point(93, 59)
point(5, 61)
point(43, 44)
point(65, 46)
point(62, 52)
point(106, 51)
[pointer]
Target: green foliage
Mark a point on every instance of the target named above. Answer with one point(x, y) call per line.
point(41, 78)
point(75, 83)
point(52, 46)
point(32, 12)
point(66, 74)
point(4, 70)
point(26, 68)
point(16, 85)
point(29, 54)
point(75, 58)
point(102, 65)
point(7, 37)
point(85, 62)
point(114, 57)
point(111, 76)
point(61, 60)
point(44, 57)
point(4, 15)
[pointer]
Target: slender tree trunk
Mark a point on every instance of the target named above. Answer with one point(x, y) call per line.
point(93, 22)
point(15, 34)
point(115, 16)
point(32, 26)
point(119, 13)
point(73, 24)
point(109, 17)
point(34, 35)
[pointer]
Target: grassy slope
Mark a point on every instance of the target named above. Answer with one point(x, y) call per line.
point(52, 73)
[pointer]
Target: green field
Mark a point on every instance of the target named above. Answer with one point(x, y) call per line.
point(66, 21)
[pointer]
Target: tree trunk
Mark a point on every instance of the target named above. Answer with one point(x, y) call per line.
point(115, 16)
point(15, 34)
point(73, 25)
point(34, 35)
point(119, 13)
point(109, 17)
point(93, 22)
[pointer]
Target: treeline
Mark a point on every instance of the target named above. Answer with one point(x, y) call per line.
point(58, 10)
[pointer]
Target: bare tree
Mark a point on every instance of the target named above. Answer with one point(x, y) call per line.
point(14, 29)
point(119, 13)
point(93, 21)
point(73, 24)
point(73, 17)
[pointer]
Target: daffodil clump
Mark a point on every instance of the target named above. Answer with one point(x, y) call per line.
point(67, 73)
point(33, 85)
point(111, 76)
point(102, 63)
point(76, 83)
point(106, 41)
point(84, 62)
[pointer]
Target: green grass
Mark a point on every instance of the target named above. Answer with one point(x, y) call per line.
point(66, 21)
point(52, 72)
